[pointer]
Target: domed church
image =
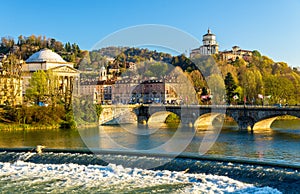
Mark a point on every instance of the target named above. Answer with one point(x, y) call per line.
point(48, 60)
point(209, 47)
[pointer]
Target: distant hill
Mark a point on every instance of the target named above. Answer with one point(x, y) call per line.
point(137, 55)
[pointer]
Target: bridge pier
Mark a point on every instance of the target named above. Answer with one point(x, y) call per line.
point(187, 122)
point(142, 115)
point(188, 116)
point(142, 119)
point(245, 123)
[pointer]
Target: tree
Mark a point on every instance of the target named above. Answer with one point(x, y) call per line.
point(216, 84)
point(158, 69)
point(204, 95)
point(204, 91)
point(252, 83)
point(230, 87)
point(38, 87)
point(21, 40)
point(197, 79)
point(281, 89)
point(68, 47)
point(11, 79)
point(53, 88)
point(256, 53)
point(239, 62)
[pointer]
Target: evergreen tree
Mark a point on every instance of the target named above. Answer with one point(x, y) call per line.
point(68, 47)
point(230, 87)
point(204, 91)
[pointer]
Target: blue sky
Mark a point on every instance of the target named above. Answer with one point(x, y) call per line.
point(270, 26)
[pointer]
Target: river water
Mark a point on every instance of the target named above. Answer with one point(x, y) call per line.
point(130, 160)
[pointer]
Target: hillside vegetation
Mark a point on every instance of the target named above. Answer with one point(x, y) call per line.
point(244, 79)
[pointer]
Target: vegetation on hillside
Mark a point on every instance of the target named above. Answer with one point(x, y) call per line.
point(246, 80)
point(251, 77)
point(276, 82)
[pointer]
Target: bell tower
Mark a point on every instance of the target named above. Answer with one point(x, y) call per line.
point(103, 74)
point(210, 45)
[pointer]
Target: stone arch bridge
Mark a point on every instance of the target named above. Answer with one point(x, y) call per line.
point(245, 116)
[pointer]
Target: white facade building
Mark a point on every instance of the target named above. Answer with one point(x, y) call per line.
point(47, 60)
point(209, 47)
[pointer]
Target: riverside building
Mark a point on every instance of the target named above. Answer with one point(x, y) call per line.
point(66, 77)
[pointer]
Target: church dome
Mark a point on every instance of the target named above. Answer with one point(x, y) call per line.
point(45, 55)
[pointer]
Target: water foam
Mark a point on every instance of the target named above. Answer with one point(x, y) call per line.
point(63, 178)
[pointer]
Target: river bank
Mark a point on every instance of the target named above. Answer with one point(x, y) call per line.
point(20, 127)
point(15, 126)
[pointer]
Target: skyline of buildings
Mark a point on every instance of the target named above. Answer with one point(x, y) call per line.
point(106, 87)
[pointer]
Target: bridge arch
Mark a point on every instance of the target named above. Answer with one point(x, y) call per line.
point(129, 116)
point(206, 121)
point(159, 117)
point(266, 122)
point(119, 114)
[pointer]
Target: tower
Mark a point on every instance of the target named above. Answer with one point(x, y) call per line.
point(103, 74)
point(210, 45)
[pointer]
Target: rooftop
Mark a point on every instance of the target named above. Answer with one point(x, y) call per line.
point(45, 55)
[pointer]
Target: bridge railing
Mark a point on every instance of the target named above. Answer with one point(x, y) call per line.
point(227, 106)
point(207, 106)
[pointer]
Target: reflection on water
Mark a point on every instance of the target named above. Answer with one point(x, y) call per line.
point(54, 138)
point(281, 143)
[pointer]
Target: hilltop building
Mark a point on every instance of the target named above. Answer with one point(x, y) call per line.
point(209, 47)
point(235, 53)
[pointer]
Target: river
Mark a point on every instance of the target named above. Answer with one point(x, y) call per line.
point(128, 160)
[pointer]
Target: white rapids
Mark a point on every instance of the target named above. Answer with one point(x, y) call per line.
point(21, 176)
